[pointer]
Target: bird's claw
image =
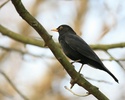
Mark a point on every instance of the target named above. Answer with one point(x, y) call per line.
point(72, 82)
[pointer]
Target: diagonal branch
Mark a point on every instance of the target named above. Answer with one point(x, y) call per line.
point(11, 83)
point(56, 51)
point(114, 59)
point(4, 4)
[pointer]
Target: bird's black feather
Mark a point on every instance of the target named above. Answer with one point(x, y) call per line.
point(78, 50)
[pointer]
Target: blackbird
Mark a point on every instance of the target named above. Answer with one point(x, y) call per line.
point(78, 50)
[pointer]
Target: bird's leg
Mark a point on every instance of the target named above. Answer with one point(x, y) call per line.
point(78, 61)
point(81, 68)
point(72, 82)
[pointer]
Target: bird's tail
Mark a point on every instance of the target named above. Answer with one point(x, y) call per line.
point(100, 65)
point(105, 69)
point(112, 75)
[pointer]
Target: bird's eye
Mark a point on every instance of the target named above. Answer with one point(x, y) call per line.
point(60, 28)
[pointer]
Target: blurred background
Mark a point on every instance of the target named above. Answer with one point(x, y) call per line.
point(37, 74)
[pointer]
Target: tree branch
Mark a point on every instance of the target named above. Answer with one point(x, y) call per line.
point(20, 38)
point(107, 46)
point(56, 51)
point(11, 83)
point(40, 56)
point(4, 3)
point(28, 40)
point(111, 57)
point(20, 51)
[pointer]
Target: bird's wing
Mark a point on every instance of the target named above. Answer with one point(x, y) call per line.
point(79, 45)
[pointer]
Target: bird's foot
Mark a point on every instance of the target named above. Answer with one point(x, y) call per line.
point(80, 68)
point(73, 81)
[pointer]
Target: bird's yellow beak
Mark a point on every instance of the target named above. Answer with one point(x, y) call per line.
point(54, 30)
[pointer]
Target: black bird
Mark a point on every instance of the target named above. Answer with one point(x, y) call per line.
point(78, 50)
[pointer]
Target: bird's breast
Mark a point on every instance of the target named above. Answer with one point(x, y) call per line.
point(69, 52)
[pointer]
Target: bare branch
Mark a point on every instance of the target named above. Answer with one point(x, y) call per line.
point(83, 95)
point(20, 38)
point(114, 59)
point(40, 56)
point(28, 40)
point(4, 3)
point(14, 87)
point(108, 46)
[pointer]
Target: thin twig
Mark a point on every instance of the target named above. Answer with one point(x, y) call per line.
point(83, 95)
point(110, 59)
point(5, 94)
point(41, 56)
point(114, 59)
point(31, 41)
point(14, 87)
point(4, 3)
point(19, 51)
point(101, 81)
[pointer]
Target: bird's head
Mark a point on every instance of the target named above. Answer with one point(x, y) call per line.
point(62, 29)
